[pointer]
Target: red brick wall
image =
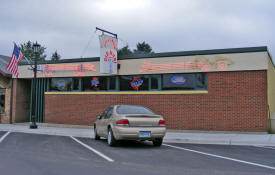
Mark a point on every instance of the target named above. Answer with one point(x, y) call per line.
point(236, 101)
point(21, 100)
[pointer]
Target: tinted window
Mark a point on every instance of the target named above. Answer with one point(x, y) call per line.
point(200, 81)
point(154, 81)
point(178, 81)
point(94, 83)
point(75, 84)
point(104, 112)
point(2, 100)
point(61, 84)
point(134, 83)
point(125, 109)
point(112, 83)
point(109, 112)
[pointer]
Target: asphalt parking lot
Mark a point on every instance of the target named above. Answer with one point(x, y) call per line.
point(35, 154)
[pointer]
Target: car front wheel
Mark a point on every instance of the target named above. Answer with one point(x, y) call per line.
point(111, 139)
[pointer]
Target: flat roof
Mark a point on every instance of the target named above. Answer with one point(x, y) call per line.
point(162, 54)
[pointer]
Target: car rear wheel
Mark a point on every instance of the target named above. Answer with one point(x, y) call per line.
point(157, 142)
point(97, 137)
point(111, 139)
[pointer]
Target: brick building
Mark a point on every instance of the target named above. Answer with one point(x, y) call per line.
point(219, 90)
point(5, 90)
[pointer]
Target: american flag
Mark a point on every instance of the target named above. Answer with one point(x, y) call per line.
point(16, 57)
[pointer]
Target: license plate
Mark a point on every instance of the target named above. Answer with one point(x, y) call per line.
point(143, 134)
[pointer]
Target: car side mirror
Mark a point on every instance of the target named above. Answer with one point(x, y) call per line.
point(98, 117)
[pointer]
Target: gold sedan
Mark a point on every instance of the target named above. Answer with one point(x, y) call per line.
point(129, 122)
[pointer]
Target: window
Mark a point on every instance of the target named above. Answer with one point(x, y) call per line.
point(134, 83)
point(154, 82)
point(200, 81)
point(2, 100)
point(61, 84)
point(76, 83)
point(128, 109)
point(94, 83)
point(178, 81)
point(112, 83)
point(104, 113)
point(183, 81)
point(107, 113)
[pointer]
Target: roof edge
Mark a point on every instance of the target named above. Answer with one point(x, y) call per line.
point(162, 54)
point(5, 74)
point(270, 57)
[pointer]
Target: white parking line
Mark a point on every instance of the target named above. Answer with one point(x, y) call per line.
point(92, 149)
point(267, 147)
point(221, 157)
point(4, 136)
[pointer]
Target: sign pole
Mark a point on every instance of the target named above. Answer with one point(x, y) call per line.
point(105, 31)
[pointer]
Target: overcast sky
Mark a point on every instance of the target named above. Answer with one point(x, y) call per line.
point(167, 25)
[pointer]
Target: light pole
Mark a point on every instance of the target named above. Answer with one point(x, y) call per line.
point(33, 125)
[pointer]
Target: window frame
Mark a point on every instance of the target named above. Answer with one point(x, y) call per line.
point(79, 84)
point(50, 81)
point(204, 75)
point(4, 104)
point(149, 80)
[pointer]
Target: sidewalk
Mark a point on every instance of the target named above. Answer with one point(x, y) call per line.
point(255, 139)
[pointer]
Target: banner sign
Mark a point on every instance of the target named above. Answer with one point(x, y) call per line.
point(108, 54)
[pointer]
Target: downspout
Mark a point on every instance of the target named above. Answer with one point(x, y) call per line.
point(11, 101)
point(269, 119)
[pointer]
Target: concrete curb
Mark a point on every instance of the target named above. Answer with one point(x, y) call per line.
point(254, 139)
point(75, 132)
point(222, 139)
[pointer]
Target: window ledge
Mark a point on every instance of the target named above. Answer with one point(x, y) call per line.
point(129, 92)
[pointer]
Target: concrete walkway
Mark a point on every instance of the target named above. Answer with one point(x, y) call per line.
point(255, 139)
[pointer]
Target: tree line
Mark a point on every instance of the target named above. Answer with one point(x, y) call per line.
point(28, 50)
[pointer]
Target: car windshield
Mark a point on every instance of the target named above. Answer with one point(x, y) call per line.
point(127, 109)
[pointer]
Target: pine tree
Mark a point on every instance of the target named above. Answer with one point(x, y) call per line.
point(143, 48)
point(124, 51)
point(28, 50)
point(55, 56)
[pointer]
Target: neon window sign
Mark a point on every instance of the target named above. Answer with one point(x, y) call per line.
point(203, 64)
point(77, 69)
point(178, 79)
point(136, 83)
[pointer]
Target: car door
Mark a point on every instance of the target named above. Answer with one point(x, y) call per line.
point(100, 123)
point(106, 121)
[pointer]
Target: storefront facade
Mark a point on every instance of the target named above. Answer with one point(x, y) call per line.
point(5, 90)
point(219, 90)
